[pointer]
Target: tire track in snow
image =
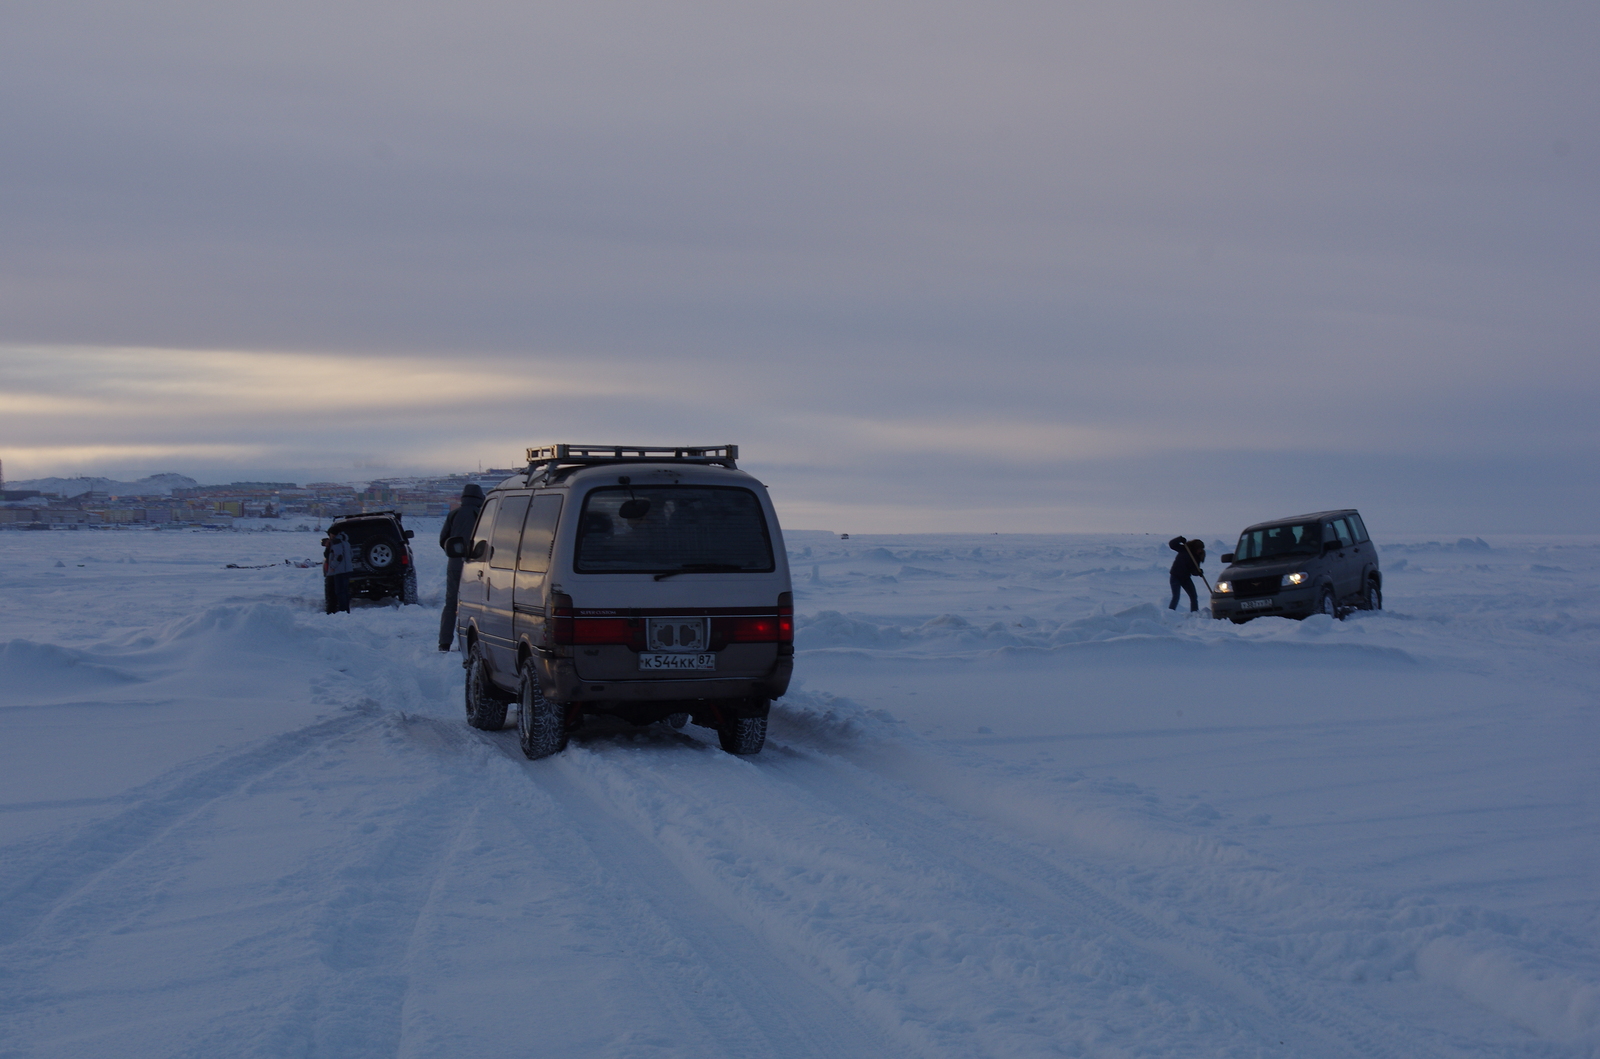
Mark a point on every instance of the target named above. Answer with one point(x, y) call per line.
point(751, 1000)
point(913, 944)
point(686, 814)
point(366, 905)
point(42, 877)
point(319, 963)
point(1202, 958)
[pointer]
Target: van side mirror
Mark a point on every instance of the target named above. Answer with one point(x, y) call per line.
point(480, 549)
point(455, 548)
point(1227, 557)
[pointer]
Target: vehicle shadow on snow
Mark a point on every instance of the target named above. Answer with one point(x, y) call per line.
point(600, 732)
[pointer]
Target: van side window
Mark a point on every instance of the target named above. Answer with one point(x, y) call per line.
point(1359, 529)
point(480, 532)
point(507, 528)
point(539, 533)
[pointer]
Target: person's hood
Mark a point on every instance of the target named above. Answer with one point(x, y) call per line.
point(473, 491)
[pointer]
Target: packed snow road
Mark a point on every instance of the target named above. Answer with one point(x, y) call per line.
point(1013, 810)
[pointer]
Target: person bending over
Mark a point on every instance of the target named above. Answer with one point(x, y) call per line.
point(1191, 554)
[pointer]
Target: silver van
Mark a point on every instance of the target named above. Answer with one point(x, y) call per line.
point(649, 584)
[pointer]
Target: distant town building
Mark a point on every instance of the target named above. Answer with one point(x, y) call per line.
point(105, 503)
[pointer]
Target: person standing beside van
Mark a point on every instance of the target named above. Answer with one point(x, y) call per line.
point(1191, 555)
point(340, 563)
point(458, 523)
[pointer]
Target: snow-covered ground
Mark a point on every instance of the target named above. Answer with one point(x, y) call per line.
point(1013, 808)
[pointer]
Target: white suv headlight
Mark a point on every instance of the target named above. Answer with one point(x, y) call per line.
point(1224, 587)
point(1295, 579)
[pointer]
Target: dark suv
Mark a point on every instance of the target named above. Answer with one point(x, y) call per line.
point(1322, 563)
point(381, 558)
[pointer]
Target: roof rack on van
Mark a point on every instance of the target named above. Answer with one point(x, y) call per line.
point(550, 458)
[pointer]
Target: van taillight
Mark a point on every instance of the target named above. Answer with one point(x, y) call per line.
point(601, 631)
point(561, 618)
point(764, 629)
point(760, 628)
point(569, 627)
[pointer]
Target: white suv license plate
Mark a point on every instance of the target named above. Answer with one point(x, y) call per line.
point(1255, 604)
point(650, 662)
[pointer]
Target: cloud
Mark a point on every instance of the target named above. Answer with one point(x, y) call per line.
point(994, 239)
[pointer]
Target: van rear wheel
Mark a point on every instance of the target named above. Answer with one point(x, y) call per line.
point(743, 735)
point(485, 709)
point(541, 723)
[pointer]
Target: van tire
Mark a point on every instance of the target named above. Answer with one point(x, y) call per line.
point(485, 709)
point(743, 735)
point(541, 723)
point(408, 589)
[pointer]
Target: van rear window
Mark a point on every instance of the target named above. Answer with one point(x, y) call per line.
point(672, 529)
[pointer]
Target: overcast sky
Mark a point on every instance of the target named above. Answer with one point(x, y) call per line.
point(934, 266)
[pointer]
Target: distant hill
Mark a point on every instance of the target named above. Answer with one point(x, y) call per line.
point(155, 485)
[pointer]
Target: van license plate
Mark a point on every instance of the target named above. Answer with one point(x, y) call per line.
point(1255, 604)
point(651, 662)
point(677, 635)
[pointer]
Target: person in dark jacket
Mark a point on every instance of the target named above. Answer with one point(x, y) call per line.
point(458, 523)
point(1191, 554)
point(339, 563)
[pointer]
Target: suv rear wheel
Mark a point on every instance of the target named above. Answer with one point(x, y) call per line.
point(1373, 599)
point(541, 724)
point(485, 709)
point(380, 555)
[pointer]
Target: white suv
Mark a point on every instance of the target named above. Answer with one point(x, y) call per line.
point(645, 583)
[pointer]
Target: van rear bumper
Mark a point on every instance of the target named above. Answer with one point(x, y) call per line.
point(560, 680)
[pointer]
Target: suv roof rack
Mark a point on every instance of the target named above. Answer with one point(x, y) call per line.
point(371, 514)
point(585, 454)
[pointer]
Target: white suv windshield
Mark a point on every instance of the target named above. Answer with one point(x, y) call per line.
point(672, 529)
